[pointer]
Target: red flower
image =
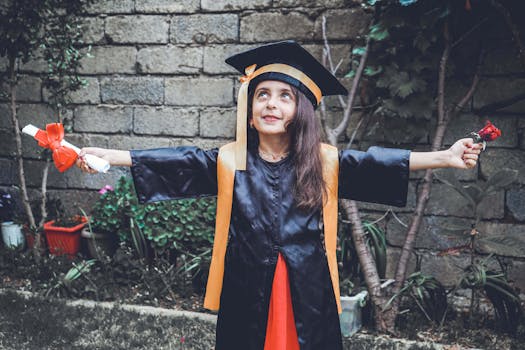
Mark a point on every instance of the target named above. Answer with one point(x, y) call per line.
point(489, 132)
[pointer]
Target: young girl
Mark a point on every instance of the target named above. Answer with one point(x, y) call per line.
point(273, 269)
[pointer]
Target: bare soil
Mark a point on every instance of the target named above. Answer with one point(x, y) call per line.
point(128, 280)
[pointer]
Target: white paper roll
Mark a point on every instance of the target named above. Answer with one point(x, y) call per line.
point(99, 164)
point(94, 162)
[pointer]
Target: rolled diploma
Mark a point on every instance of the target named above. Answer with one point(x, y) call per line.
point(94, 162)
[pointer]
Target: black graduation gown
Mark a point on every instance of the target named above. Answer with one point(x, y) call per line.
point(264, 222)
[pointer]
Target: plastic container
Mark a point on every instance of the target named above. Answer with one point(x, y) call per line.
point(12, 235)
point(350, 318)
point(63, 240)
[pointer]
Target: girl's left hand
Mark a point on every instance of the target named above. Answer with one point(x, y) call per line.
point(464, 153)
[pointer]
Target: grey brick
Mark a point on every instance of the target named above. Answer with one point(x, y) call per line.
point(166, 121)
point(339, 53)
point(170, 59)
point(37, 114)
point(29, 89)
point(444, 200)
point(103, 118)
point(36, 64)
point(140, 90)
point(34, 170)
point(214, 56)
point(89, 140)
point(202, 143)
point(516, 232)
point(393, 255)
point(89, 94)
point(74, 200)
point(466, 123)
point(5, 116)
point(111, 6)
point(516, 203)
point(75, 178)
point(200, 91)
point(234, 5)
point(137, 29)
point(343, 24)
point(93, 30)
point(204, 29)
point(218, 122)
point(138, 142)
point(263, 27)
point(310, 3)
point(493, 160)
point(109, 60)
point(433, 233)
point(7, 143)
point(492, 90)
point(8, 175)
point(502, 59)
point(167, 6)
point(446, 269)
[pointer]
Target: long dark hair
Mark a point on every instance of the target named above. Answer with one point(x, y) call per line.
point(305, 142)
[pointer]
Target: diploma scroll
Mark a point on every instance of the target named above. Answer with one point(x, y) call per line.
point(94, 162)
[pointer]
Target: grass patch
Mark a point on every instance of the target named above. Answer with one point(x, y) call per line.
point(37, 323)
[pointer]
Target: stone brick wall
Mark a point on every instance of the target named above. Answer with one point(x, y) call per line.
point(157, 78)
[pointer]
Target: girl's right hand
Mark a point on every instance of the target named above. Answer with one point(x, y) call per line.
point(96, 151)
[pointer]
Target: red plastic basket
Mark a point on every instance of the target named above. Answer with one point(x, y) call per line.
point(63, 240)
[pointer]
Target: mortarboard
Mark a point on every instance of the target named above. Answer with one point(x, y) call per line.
point(285, 61)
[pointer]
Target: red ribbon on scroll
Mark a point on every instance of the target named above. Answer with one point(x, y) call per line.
point(64, 157)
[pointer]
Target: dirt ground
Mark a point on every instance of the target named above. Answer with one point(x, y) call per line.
point(46, 324)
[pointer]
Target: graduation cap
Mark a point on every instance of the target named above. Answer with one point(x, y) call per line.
point(284, 61)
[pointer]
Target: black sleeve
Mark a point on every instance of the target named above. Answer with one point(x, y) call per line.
point(172, 173)
point(379, 175)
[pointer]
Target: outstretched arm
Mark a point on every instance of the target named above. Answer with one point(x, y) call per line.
point(113, 156)
point(462, 155)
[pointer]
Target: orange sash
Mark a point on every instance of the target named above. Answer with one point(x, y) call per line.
point(225, 184)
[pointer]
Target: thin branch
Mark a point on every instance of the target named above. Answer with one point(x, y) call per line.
point(442, 75)
point(473, 86)
point(328, 54)
point(351, 96)
point(354, 133)
point(18, 139)
point(468, 32)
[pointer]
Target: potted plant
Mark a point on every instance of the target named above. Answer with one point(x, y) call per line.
point(12, 235)
point(101, 230)
point(63, 233)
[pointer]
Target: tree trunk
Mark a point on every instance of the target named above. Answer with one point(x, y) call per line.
point(18, 139)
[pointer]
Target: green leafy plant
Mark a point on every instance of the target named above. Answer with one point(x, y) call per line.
point(65, 281)
point(50, 29)
point(477, 276)
point(350, 274)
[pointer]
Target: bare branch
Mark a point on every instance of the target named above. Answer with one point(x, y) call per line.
point(18, 139)
point(43, 210)
point(328, 55)
point(351, 96)
point(470, 92)
point(442, 75)
point(468, 32)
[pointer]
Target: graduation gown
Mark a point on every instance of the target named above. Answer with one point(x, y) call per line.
point(265, 223)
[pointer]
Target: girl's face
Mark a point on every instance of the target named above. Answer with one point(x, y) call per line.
point(274, 107)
